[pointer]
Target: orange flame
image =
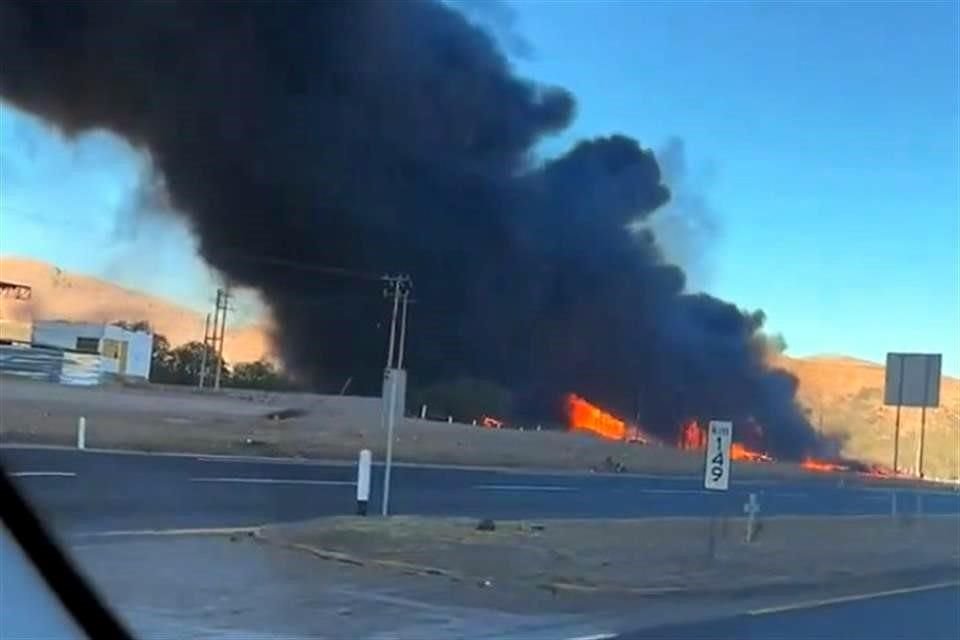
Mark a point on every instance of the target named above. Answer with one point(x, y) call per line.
point(740, 452)
point(693, 436)
point(583, 415)
point(812, 464)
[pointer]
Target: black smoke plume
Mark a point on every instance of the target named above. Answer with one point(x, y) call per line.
point(384, 137)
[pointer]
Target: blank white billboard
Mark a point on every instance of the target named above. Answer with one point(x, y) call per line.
point(912, 380)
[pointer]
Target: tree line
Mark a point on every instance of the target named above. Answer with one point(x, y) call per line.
point(183, 365)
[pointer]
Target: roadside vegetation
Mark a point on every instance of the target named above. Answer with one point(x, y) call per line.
point(183, 365)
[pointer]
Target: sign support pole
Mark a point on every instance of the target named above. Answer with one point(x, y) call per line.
point(912, 380)
point(923, 416)
point(896, 441)
point(896, 429)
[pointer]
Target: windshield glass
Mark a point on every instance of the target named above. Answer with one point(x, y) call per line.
point(487, 318)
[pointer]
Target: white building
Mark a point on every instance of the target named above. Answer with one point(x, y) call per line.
point(122, 353)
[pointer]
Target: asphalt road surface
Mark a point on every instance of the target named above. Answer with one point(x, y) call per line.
point(907, 614)
point(87, 491)
point(101, 492)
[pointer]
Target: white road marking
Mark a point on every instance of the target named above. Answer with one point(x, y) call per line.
point(521, 487)
point(852, 598)
point(596, 636)
point(43, 474)
point(214, 457)
point(258, 460)
point(344, 483)
point(687, 491)
point(210, 531)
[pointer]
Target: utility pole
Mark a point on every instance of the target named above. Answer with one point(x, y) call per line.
point(398, 287)
point(206, 342)
point(214, 329)
point(223, 330)
point(403, 325)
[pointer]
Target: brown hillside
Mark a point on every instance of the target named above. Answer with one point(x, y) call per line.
point(844, 397)
point(59, 295)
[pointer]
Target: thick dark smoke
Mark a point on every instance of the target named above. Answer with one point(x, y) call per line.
point(386, 137)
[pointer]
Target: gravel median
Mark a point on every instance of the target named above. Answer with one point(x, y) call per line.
point(645, 557)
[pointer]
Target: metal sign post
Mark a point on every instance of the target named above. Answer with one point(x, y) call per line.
point(912, 380)
point(716, 473)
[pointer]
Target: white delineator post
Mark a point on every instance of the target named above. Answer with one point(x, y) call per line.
point(423, 411)
point(363, 481)
point(751, 508)
point(82, 433)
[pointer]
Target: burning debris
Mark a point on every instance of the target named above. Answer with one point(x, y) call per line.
point(740, 452)
point(812, 464)
point(389, 136)
point(694, 436)
point(588, 417)
point(491, 423)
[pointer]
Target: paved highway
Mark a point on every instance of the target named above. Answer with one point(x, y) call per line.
point(905, 614)
point(87, 491)
point(99, 492)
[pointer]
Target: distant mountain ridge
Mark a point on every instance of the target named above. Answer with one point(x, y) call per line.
point(61, 295)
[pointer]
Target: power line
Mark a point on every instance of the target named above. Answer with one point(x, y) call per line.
point(307, 266)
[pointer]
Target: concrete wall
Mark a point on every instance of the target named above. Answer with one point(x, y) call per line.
point(139, 351)
point(64, 334)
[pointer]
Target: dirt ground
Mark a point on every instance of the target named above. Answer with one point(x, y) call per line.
point(181, 419)
point(324, 427)
point(648, 556)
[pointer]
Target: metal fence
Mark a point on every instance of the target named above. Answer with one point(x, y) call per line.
point(51, 365)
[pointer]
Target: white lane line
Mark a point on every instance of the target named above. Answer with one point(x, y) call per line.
point(596, 636)
point(852, 598)
point(343, 483)
point(209, 531)
point(252, 460)
point(43, 474)
point(521, 487)
point(212, 457)
point(680, 491)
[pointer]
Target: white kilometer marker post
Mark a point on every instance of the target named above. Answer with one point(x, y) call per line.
point(716, 472)
point(363, 481)
point(82, 433)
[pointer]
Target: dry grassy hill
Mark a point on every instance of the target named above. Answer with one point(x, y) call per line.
point(59, 295)
point(843, 395)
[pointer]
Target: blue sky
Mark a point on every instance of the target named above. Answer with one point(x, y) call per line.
point(824, 139)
